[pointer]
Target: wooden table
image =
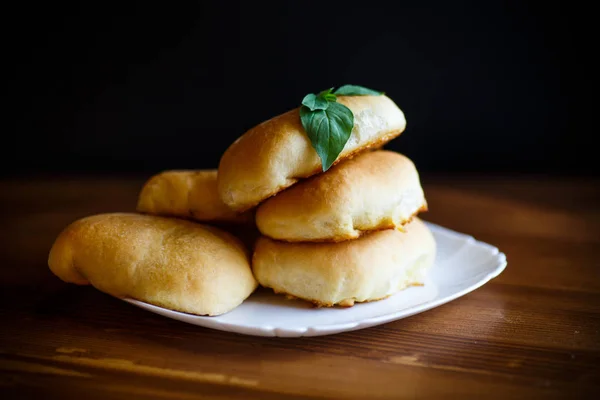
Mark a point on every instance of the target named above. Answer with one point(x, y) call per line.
point(533, 332)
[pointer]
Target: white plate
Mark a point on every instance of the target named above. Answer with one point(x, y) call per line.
point(462, 265)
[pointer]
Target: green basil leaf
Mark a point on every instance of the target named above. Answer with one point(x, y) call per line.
point(315, 102)
point(355, 90)
point(328, 130)
point(328, 95)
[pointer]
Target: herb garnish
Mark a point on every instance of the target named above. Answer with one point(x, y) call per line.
point(328, 124)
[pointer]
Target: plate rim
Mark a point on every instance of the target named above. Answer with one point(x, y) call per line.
point(327, 329)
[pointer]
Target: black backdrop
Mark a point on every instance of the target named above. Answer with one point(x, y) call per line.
point(486, 86)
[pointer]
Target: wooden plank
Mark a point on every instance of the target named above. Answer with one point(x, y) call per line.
point(534, 332)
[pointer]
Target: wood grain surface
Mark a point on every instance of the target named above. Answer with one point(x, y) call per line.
point(533, 332)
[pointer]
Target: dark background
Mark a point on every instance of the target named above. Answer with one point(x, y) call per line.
point(486, 86)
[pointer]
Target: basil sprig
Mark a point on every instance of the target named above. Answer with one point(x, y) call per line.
point(328, 124)
point(355, 90)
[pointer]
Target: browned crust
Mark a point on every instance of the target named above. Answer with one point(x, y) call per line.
point(337, 239)
point(367, 146)
point(342, 304)
point(242, 218)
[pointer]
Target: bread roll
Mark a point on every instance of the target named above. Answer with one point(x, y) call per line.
point(373, 190)
point(187, 194)
point(171, 263)
point(277, 153)
point(372, 267)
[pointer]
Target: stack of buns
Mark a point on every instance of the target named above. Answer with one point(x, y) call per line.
point(346, 235)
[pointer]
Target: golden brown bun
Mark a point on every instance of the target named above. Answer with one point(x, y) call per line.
point(372, 191)
point(275, 154)
point(167, 262)
point(187, 194)
point(372, 267)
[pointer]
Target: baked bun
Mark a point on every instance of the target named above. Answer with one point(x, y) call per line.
point(187, 194)
point(372, 191)
point(275, 154)
point(372, 267)
point(171, 263)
